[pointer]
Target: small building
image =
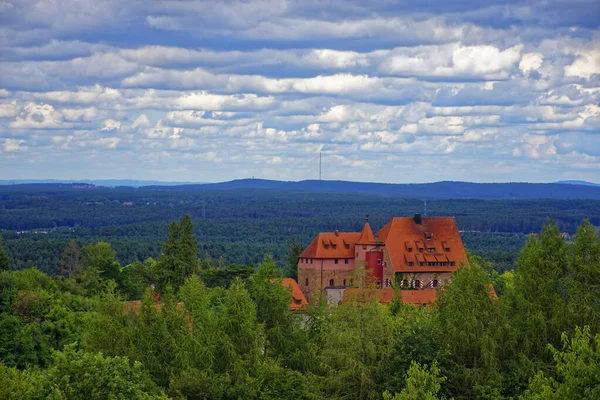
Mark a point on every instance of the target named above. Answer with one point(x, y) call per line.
point(408, 253)
point(298, 300)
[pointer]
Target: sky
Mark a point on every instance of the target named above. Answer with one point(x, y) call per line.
point(387, 91)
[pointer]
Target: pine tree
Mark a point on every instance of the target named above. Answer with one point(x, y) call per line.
point(295, 249)
point(70, 264)
point(179, 258)
point(4, 259)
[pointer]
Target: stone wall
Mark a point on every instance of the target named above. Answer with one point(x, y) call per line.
point(313, 279)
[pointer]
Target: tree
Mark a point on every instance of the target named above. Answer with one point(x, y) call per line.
point(272, 299)
point(179, 258)
point(70, 264)
point(4, 259)
point(295, 248)
point(583, 278)
point(470, 326)
point(80, 375)
point(577, 369)
point(422, 383)
point(100, 259)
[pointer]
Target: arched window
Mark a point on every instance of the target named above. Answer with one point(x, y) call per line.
point(306, 281)
point(331, 283)
point(417, 284)
point(405, 283)
point(435, 283)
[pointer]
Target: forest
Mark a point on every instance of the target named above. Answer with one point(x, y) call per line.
point(205, 331)
point(240, 226)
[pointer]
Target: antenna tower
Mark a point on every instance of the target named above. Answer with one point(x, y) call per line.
point(319, 165)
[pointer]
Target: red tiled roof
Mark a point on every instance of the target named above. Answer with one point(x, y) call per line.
point(399, 230)
point(366, 236)
point(298, 300)
point(417, 297)
point(332, 245)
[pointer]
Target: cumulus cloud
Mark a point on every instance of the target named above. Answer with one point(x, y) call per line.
point(110, 125)
point(585, 65)
point(13, 145)
point(39, 116)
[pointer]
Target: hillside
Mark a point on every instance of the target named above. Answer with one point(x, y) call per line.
point(436, 190)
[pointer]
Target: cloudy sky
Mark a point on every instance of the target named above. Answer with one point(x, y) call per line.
point(388, 91)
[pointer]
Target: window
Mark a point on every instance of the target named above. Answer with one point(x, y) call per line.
point(379, 261)
point(378, 283)
point(411, 263)
point(435, 283)
point(336, 260)
point(421, 263)
point(420, 249)
point(331, 282)
point(410, 250)
point(405, 283)
point(446, 248)
point(306, 282)
point(452, 263)
point(431, 249)
point(344, 282)
point(297, 301)
point(345, 261)
point(417, 284)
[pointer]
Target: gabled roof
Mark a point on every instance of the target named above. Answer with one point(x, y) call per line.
point(366, 236)
point(332, 245)
point(298, 300)
point(400, 230)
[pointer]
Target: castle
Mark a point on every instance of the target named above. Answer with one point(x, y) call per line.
point(412, 253)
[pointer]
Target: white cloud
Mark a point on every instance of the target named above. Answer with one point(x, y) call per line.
point(585, 65)
point(84, 95)
point(13, 145)
point(141, 121)
point(39, 116)
point(110, 125)
point(9, 110)
point(531, 62)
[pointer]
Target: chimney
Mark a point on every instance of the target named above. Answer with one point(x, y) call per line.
point(418, 219)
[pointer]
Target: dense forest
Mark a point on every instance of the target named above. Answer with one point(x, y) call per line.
point(225, 332)
point(241, 225)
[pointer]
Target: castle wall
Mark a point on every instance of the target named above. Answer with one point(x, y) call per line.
point(314, 278)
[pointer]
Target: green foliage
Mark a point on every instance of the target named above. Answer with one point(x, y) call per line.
point(70, 264)
point(226, 331)
point(422, 383)
point(101, 259)
point(470, 326)
point(224, 276)
point(4, 259)
point(295, 248)
point(577, 369)
point(179, 258)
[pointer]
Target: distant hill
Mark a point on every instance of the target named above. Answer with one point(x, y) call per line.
point(439, 190)
point(97, 182)
point(575, 182)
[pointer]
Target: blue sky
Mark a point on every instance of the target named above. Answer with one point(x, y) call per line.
point(387, 91)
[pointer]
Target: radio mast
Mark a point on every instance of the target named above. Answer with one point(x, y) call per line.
point(319, 165)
